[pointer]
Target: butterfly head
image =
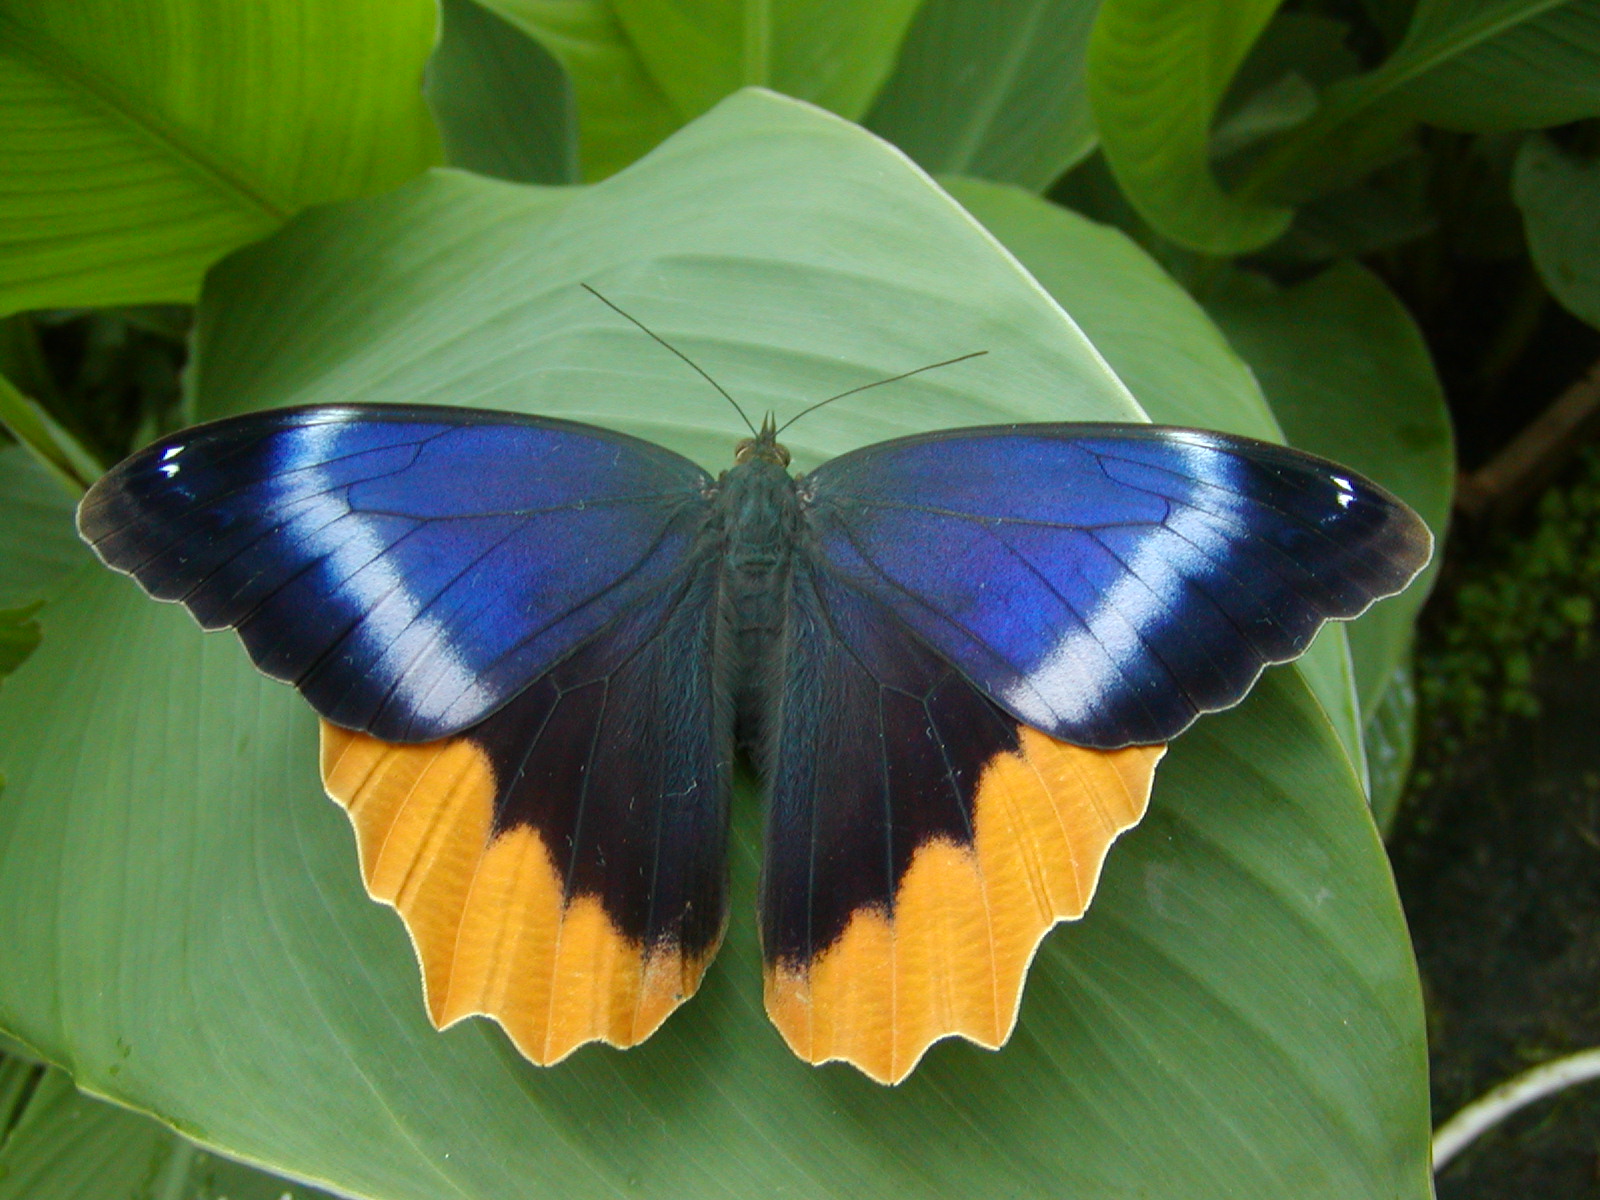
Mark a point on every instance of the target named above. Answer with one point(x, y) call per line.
point(764, 447)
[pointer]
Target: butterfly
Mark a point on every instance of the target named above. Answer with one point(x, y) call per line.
point(537, 648)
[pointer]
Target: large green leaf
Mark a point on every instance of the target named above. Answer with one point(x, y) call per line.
point(1559, 195)
point(992, 89)
point(1238, 1015)
point(1349, 376)
point(1157, 73)
point(144, 139)
point(835, 53)
point(622, 112)
point(1165, 348)
point(503, 103)
point(67, 1146)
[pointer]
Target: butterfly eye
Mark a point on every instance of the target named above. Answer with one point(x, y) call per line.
point(743, 451)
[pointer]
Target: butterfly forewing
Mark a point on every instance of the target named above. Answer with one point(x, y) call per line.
point(1107, 584)
point(409, 569)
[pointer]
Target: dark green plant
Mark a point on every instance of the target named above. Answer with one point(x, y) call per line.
point(1239, 1015)
point(1529, 594)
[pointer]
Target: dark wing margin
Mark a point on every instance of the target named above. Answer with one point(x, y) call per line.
point(1107, 584)
point(561, 866)
point(409, 569)
point(920, 842)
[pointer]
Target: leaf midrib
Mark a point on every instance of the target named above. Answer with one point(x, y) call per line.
point(57, 64)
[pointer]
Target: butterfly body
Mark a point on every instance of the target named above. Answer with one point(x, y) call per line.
point(760, 523)
point(537, 646)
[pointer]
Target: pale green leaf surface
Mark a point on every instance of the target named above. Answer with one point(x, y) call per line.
point(503, 103)
point(1156, 337)
point(69, 1146)
point(992, 89)
point(1559, 195)
point(1164, 347)
point(1237, 1015)
point(835, 53)
point(622, 112)
point(782, 249)
point(1157, 73)
point(39, 544)
point(1349, 376)
point(145, 140)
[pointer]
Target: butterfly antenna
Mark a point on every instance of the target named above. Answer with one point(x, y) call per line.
point(949, 362)
point(663, 341)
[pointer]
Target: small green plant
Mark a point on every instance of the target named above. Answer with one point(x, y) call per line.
point(1529, 594)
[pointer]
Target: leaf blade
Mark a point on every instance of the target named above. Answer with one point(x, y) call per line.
point(186, 827)
point(992, 90)
point(151, 139)
point(1156, 77)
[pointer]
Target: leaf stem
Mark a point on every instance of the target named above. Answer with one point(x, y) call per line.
point(1484, 1113)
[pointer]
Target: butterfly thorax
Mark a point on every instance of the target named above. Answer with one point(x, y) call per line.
point(760, 518)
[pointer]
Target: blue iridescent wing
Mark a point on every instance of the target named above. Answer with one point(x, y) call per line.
point(507, 623)
point(991, 632)
point(409, 569)
point(1106, 584)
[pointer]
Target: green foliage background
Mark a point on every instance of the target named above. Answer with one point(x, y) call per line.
point(1135, 207)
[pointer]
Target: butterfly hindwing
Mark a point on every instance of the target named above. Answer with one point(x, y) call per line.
point(409, 569)
point(1107, 584)
point(561, 865)
point(920, 839)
